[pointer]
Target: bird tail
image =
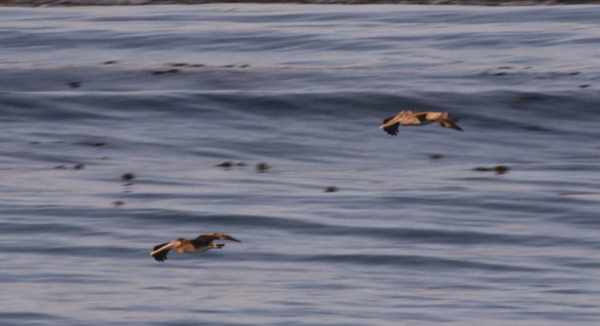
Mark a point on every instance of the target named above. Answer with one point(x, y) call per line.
point(448, 124)
point(218, 245)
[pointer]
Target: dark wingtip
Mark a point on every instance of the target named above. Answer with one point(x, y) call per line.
point(160, 259)
point(449, 124)
point(161, 255)
point(230, 238)
point(393, 129)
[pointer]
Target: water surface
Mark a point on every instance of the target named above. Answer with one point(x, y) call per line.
point(168, 92)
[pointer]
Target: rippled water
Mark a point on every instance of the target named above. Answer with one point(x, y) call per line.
point(168, 92)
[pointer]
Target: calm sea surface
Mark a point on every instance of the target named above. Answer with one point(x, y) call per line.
point(413, 236)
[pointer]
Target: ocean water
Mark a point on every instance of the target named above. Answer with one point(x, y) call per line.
point(413, 236)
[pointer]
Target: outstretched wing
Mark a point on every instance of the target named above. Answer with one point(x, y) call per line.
point(209, 237)
point(408, 118)
point(391, 129)
point(422, 117)
point(443, 119)
point(433, 116)
point(405, 118)
point(160, 252)
point(448, 124)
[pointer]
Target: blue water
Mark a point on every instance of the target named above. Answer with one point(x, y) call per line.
point(406, 239)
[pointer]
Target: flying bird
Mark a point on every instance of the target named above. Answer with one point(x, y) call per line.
point(184, 246)
point(409, 118)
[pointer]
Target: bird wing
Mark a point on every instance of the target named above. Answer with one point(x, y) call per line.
point(391, 124)
point(391, 129)
point(160, 252)
point(426, 117)
point(441, 118)
point(214, 236)
point(448, 124)
point(408, 118)
point(433, 116)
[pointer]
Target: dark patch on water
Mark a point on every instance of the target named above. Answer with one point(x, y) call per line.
point(18, 318)
point(418, 262)
point(128, 176)
point(499, 169)
point(92, 144)
point(162, 72)
point(262, 167)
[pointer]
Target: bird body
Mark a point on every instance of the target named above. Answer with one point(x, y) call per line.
point(202, 243)
point(409, 118)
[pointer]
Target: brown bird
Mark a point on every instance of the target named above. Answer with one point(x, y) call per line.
point(409, 118)
point(184, 246)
